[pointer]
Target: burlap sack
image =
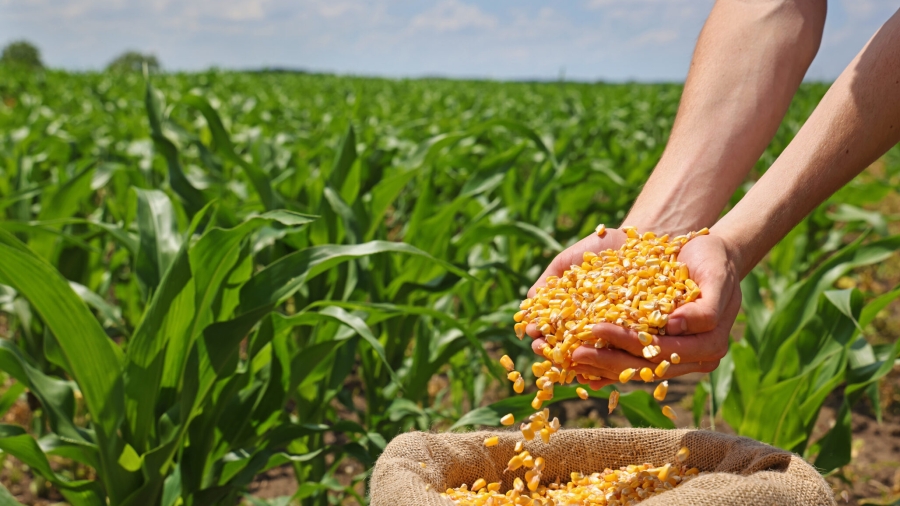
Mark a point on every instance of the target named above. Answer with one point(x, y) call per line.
point(745, 472)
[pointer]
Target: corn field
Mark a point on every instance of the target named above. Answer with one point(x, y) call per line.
point(207, 277)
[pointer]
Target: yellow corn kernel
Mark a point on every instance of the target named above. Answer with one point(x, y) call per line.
point(519, 316)
point(545, 435)
point(493, 487)
point(669, 412)
point(537, 403)
point(519, 385)
point(508, 419)
point(661, 390)
point(600, 230)
point(582, 393)
point(613, 400)
point(513, 376)
point(527, 433)
point(539, 464)
point(520, 330)
point(683, 454)
point(676, 358)
point(544, 395)
point(646, 374)
point(519, 446)
point(626, 375)
point(645, 338)
point(479, 484)
point(664, 472)
point(507, 363)
point(538, 369)
point(534, 482)
point(514, 463)
point(518, 485)
point(528, 461)
point(662, 368)
point(492, 441)
point(422, 464)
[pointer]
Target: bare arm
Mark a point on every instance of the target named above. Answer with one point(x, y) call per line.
point(857, 121)
point(749, 61)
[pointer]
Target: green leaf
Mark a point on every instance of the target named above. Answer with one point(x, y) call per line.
point(226, 149)
point(93, 358)
point(282, 278)
point(129, 459)
point(159, 237)
point(7, 499)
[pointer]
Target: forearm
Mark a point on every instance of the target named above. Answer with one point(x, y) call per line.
point(857, 121)
point(749, 60)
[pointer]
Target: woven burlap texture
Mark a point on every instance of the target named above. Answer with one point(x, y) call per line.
point(743, 472)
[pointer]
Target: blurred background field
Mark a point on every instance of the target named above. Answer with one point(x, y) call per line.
point(310, 264)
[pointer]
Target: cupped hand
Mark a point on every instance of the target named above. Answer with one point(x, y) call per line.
point(697, 331)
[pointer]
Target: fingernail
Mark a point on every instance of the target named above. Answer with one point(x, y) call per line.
point(677, 326)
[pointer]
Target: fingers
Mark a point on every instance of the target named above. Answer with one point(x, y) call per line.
point(705, 259)
point(706, 347)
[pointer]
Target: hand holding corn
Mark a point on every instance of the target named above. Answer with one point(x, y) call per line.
point(696, 332)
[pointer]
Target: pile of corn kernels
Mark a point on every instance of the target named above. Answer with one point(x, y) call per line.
point(637, 287)
point(619, 487)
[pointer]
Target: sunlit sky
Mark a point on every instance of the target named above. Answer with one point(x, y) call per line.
point(613, 40)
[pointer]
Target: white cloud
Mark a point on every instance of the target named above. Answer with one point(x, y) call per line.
point(655, 37)
point(452, 16)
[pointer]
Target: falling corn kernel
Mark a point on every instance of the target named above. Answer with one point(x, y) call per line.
point(514, 463)
point(676, 359)
point(536, 403)
point(527, 433)
point(647, 374)
point(508, 419)
point(626, 375)
point(492, 441)
point(519, 385)
point(519, 446)
point(600, 230)
point(422, 464)
point(507, 363)
point(479, 484)
point(650, 351)
point(582, 393)
point(669, 412)
point(662, 368)
point(513, 376)
point(545, 435)
point(661, 390)
point(683, 454)
point(613, 400)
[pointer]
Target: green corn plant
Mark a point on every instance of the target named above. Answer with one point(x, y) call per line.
point(773, 382)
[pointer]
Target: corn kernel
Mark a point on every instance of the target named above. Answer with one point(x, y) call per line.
point(600, 230)
point(613, 400)
point(626, 375)
point(492, 441)
point(662, 368)
point(661, 390)
point(647, 374)
point(513, 376)
point(519, 385)
point(582, 393)
point(669, 412)
point(479, 484)
point(507, 363)
point(676, 359)
point(683, 454)
point(645, 338)
point(508, 419)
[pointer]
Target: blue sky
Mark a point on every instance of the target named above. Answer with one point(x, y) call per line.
point(612, 40)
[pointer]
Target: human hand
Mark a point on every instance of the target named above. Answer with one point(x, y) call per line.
point(697, 331)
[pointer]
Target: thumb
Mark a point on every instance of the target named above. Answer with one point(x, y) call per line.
point(701, 315)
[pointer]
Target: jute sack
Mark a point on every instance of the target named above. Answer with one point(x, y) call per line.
point(745, 472)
